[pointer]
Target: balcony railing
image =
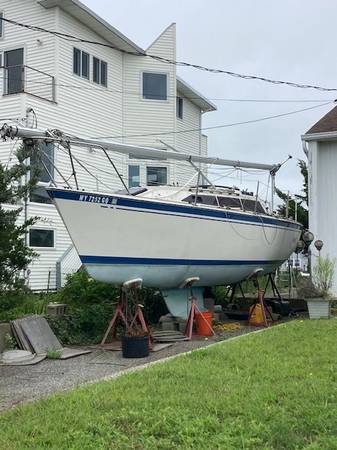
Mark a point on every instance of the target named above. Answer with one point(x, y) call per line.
point(22, 78)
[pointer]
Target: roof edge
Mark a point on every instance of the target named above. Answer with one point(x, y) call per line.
point(192, 93)
point(61, 3)
point(172, 24)
point(324, 136)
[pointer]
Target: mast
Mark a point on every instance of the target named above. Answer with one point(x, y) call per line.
point(11, 132)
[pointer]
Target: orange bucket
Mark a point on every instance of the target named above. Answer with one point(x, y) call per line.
point(203, 321)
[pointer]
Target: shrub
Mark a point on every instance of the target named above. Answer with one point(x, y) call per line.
point(323, 275)
point(81, 290)
point(321, 283)
point(14, 305)
point(91, 305)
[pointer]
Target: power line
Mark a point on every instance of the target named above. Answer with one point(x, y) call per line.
point(170, 61)
point(227, 125)
point(137, 93)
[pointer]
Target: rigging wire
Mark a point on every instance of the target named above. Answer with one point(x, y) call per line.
point(214, 127)
point(103, 90)
point(171, 61)
point(83, 165)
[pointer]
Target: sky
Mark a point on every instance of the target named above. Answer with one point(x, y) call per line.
point(292, 40)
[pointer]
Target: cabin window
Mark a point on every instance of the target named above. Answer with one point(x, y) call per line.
point(81, 63)
point(39, 237)
point(249, 205)
point(154, 86)
point(156, 176)
point(1, 25)
point(229, 202)
point(100, 72)
point(134, 176)
point(179, 107)
point(204, 199)
point(42, 166)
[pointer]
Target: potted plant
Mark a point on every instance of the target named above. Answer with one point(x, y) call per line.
point(135, 344)
point(317, 291)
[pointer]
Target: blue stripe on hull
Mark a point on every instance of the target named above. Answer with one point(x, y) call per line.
point(102, 200)
point(118, 260)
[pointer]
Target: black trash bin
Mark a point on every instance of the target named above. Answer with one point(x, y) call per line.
point(135, 346)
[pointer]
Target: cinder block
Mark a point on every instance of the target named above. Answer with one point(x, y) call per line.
point(56, 309)
point(169, 326)
point(182, 325)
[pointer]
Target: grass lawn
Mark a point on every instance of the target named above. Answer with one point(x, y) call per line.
point(271, 390)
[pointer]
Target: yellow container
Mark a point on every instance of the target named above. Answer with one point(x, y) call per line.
point(257, 316)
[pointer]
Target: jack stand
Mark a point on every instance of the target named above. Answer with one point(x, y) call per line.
point(140, 318)
point(276, 292)
point(193, 310)
point(122, 313)
point(264, 310)
point(232, 290)
point(119, 314)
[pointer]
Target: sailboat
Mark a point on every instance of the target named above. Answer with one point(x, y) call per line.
point(165, 235)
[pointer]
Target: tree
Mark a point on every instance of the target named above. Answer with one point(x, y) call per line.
point(15, 255)
point(300, 199)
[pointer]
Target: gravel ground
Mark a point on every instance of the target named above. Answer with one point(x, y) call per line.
point(26, 383)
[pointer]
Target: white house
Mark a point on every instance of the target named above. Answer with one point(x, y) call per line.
point(90, 90)
point(320, 146)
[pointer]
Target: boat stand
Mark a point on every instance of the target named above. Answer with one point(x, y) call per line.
point(265, 311)
point(193, 309)
point(131, 323)
point(118, 316)
point(232, 290)
point(271, 280)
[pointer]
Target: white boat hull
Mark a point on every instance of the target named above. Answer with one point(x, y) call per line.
point(119, 238)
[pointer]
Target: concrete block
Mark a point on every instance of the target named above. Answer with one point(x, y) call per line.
point(56, 309)
point(182, 325)
point(169, 326)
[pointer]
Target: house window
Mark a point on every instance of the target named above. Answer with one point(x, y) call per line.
point(154, 86)
point(77, 62)
point(85, 65)
point(134, 176)
point(42, 166)
point(100, 72)
point(1, 24)
point(81, 63)
point(14, 70)
point(104, 73)
point(156, 176)
point(179, 107)
point(41, 237)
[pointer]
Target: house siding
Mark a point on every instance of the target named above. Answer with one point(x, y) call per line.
point(322, 163)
